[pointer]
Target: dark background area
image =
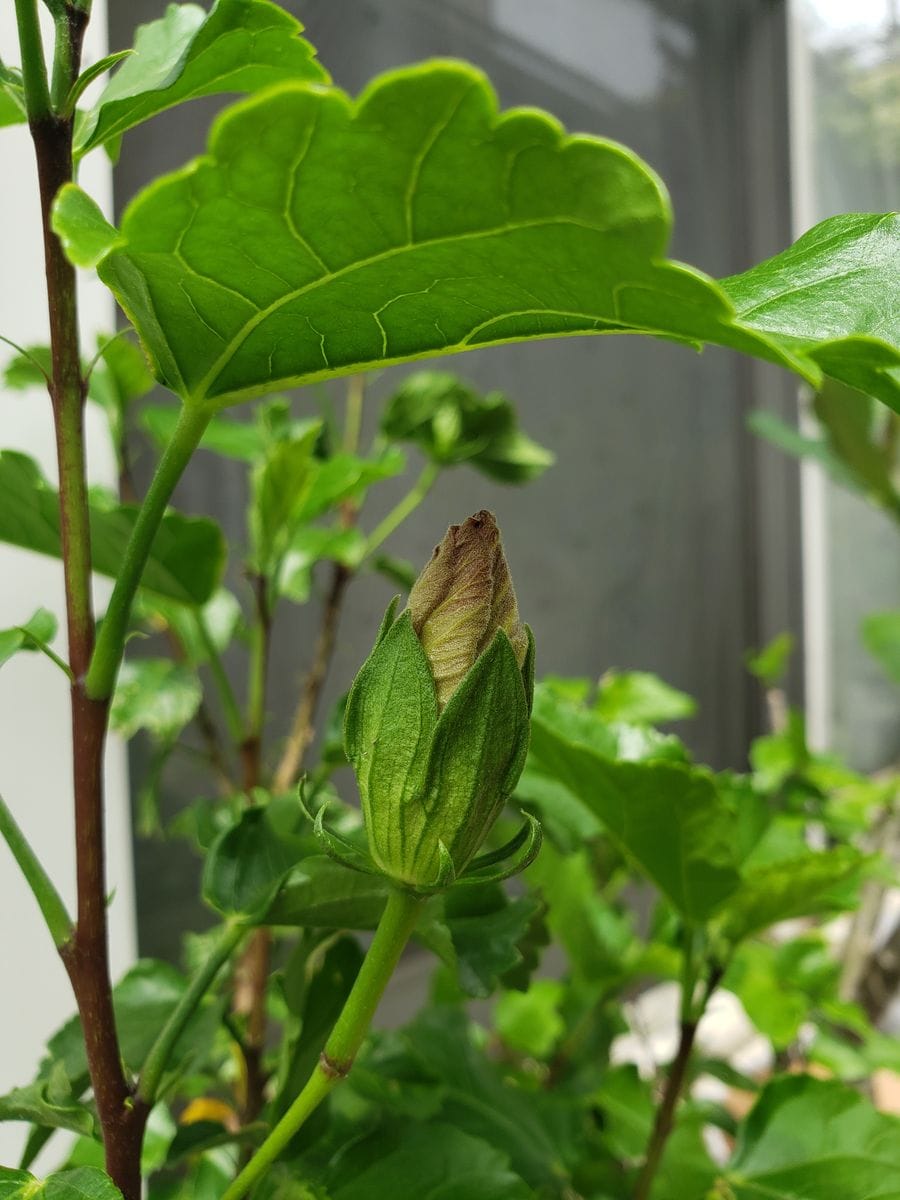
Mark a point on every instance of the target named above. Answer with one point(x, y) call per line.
point(666, 538)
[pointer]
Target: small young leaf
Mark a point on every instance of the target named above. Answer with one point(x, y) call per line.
point(240, 46)
point(530, 1022)
point(33, 635)
point(85, 233)
point(452, 424)
point(770, 663)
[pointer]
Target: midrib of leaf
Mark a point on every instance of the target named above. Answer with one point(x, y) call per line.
point(201, 393)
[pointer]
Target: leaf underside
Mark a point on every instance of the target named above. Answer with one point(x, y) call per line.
point(321, 236)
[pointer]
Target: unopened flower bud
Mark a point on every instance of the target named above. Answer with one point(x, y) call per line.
point(437, 720)
point(463, 596)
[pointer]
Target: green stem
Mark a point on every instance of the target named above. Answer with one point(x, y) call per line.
point(101, 676)
point(232, 710)
point(401, 511)
point(63, 75)
point(34, 69)
point(394, 929)
point(156, 1061)
point(56, 918)
point(259, 662)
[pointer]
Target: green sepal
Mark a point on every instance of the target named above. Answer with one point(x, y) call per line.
point(511, 859)
point(528, 670)
point(335, 846)
point(387, 620)
point(388, 725)
point(478, 751)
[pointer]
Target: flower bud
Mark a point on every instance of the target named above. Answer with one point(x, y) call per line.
point(437, 721)
point(463, 596)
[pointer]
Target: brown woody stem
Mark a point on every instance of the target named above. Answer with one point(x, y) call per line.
point(86, 953)
point(303, 725)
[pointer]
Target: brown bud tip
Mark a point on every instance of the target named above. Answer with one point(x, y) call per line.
point(463, 596)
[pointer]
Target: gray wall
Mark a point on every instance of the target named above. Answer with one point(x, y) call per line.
point(665, 539)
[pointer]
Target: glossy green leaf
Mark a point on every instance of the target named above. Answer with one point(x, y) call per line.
point(452, 423)
point(188, 554)
point(240, 46)
point(12, 97)
point(430, 1162)
point(155, 694)
point(80, 1183)
point(881, 634)
point(307, 244)
point(816, 1140)
point(638, 697)
point(832, 297)
point(85, 233)
point(668, 817)
point(247, 865)
point(800, 887)
point(37, 631)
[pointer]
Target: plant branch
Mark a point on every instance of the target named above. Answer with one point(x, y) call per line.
point(154, 1067)
point(34, 68)
point(230, 706)
point(403, 509)
point(107, 655)
point(303, 725)
point(86, 953)
point(394, 929)
point(676, 1079)
point(53, 910)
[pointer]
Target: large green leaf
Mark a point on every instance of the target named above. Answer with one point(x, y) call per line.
point(188, 553)
point(320, 236)
point(832, 297)
point(240, 46)
point(430, 1162)
point(815, 1140)
point(796, 887)
point(667, 816)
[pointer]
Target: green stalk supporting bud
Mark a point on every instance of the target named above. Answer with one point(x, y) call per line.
point(437, 720)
